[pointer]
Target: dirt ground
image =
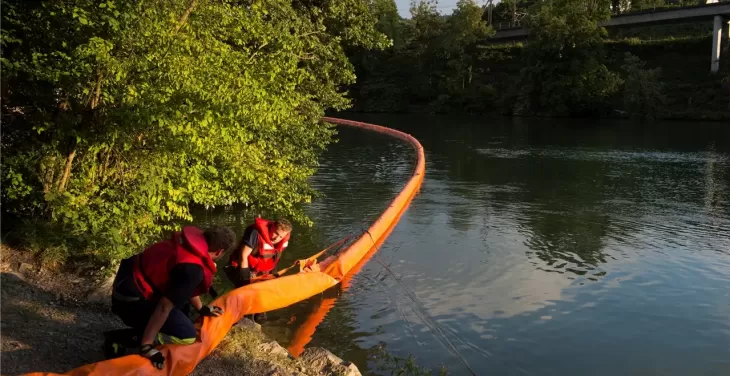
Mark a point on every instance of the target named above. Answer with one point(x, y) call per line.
point(45, 324)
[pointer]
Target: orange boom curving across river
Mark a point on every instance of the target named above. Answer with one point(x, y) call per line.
point(276, 293)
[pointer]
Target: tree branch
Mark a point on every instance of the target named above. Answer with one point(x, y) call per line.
point(185, 15)
point(66, 171)
point(97, 93)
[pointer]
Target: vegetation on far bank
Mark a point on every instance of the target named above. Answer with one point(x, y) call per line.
point(569, 66)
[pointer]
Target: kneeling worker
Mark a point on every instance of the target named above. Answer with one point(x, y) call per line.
point(258, 251)
point(154, 290)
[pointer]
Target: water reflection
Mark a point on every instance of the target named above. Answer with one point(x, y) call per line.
point(538, 247)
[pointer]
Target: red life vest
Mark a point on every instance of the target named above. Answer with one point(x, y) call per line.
point(266, 255)
point(152, 267)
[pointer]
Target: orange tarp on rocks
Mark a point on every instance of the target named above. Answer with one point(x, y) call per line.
point(271, 294)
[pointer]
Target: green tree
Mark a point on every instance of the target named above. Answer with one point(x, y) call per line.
point(379, 85)
point(120, 115)
point(426, 57)
point(389, 21)
point(643, 91)
point(564, 70)
point(511, 13)
point(435, 64)
point(466, 29)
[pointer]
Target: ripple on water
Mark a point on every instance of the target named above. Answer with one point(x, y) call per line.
point(652, 157)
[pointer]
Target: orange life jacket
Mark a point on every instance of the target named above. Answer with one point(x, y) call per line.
point(152, 267)
point(266, 255)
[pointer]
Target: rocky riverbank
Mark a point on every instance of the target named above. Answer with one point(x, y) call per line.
point(247, 351)
point(52, 321)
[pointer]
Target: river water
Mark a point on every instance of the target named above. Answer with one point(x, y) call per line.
point(536, 247)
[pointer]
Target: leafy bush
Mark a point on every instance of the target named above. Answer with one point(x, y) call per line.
point(118, 115)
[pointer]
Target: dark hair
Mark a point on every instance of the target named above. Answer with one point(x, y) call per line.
point(283, 224)
point(219, 238)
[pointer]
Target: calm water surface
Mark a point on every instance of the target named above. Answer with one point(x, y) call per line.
point(536, 247)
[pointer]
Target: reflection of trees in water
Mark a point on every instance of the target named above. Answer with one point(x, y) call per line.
point(568, 200)
point(557, 201)
point(532, 192)
point(571, 188)
point(569, 185)
point(461, 216)
point(717, 173)
point(362, 173)
point(565, 218)
point(574, 245)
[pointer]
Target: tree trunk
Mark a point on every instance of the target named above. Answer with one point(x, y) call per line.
point(66, 171)
point(97, 93)
point(185, 15)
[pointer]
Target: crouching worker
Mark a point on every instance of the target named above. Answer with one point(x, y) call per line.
point(259, 251)
point(154, 290)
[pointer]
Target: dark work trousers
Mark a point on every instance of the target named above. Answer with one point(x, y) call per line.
point(135, 311)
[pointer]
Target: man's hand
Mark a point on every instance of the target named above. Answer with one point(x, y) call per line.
point(148, 351)
point(245, 274)
point(213, 312)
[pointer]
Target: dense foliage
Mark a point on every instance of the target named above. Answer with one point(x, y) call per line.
point(564, 70)
point(568, 66)
point(120, 115)
point(434, 58)
point(643, 92)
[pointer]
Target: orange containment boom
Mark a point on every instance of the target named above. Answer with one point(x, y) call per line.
point(276, 293)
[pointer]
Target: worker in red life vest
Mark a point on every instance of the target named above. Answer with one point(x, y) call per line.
point(154, 290)
point(259, 251)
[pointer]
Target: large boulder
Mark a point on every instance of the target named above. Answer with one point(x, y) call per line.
point(248, 324)
point(322, 362)
point(275, 349)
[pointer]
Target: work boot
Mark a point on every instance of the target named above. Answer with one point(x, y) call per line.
point(118, 342)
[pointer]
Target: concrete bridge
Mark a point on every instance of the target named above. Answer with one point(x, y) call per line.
point(718, 12)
